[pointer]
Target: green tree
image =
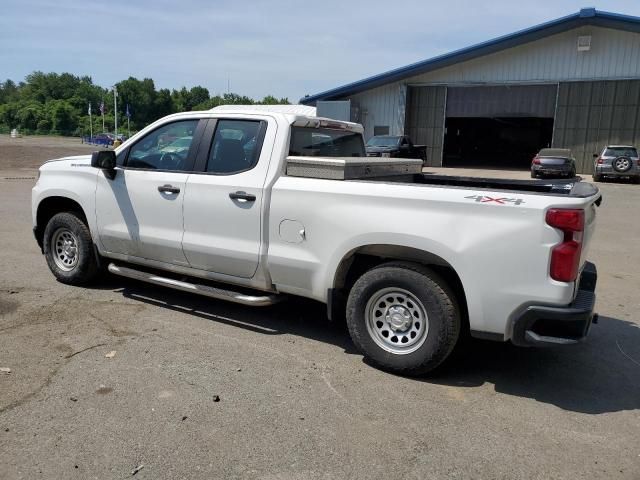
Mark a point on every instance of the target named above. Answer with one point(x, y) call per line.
point(62, 116)
point(58, 102)
point(29, 115)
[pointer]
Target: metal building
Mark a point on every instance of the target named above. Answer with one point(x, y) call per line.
point(571, 83)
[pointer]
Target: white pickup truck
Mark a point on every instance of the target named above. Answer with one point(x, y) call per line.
point(254, 205)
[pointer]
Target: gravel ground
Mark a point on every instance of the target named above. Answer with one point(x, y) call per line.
point(205, 389)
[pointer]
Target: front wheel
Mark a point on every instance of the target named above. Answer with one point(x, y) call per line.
point(403, 317)
point(68, 248)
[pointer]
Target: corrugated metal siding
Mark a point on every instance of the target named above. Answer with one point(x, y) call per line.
point(425, 120)
point(613, 54)
point(502, 101)
point(383, 106)
point(338, 110)
point(591, 115)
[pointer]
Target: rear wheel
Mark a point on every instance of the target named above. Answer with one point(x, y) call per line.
point(403, 317)
point(68, 249)
point(534, 175)
point(597, 177)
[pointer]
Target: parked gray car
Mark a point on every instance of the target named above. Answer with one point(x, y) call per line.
point(617, 161)
point(553, 162)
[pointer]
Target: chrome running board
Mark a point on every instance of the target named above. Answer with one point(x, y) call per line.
point(207, 291)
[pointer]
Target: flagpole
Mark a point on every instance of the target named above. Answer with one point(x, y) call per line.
point(90, 125)
point(128, 114)
point(115, 110)
point(102, 112)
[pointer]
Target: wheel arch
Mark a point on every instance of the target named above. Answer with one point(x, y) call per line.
point(363, 258)
point(50, 206)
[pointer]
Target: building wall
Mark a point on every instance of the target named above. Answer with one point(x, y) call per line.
point(590, 115)
point(383, 106)
point(425, 119)
point(614, 54)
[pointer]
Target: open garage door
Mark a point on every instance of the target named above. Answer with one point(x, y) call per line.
point(498, 126)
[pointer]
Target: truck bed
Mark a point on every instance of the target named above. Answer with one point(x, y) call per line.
point(409, 171)
point(566, 187)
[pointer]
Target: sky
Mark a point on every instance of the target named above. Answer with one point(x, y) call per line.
point(257, 48)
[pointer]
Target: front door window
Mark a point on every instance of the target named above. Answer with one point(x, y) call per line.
point(166, 148)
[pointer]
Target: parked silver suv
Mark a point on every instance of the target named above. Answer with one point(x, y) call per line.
point(617, 161)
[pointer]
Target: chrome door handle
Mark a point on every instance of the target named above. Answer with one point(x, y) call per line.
point(168, 189)
point(247, 197)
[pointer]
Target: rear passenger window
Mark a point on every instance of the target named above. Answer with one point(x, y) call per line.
point(235, 147)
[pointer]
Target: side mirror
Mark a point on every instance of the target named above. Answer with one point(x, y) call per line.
point(595, 155)
point(105, 160)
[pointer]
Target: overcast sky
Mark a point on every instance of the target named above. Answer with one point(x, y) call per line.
point(283, 48)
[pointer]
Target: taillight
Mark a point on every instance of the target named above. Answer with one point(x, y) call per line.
point(565, 257)
point(600, 161)
point(536, 160)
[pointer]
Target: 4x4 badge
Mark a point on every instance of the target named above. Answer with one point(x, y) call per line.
point(501, 201)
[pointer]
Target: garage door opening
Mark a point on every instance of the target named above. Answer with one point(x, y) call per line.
point(495, 142)
point(500, 126)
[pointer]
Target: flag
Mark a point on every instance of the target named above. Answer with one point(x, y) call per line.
point(128, 113)
point(89, 111)
point(102, 107)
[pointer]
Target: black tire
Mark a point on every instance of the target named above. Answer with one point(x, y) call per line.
point(434, 297)
point(85, 268)
point(597, 177)
point(534, 175)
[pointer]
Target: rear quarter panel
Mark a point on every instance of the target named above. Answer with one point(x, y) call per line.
point(500, 249)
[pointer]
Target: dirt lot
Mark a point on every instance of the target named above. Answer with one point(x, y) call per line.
point(296, 400)
point(24, 155)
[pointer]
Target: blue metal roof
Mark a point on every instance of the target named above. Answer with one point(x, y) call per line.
point(586, 16)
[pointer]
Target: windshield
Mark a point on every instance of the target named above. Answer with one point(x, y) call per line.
point(383, 141)
point(325, 142)
point(620, 152)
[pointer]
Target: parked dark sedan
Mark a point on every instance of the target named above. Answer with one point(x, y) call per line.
point(399, 146)
point(553, 163)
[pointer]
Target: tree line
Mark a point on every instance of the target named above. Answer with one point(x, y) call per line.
point(58, 104)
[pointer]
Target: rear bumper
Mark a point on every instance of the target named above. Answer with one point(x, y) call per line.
point(544, 325)
point(608, 170)
point(551, 170)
